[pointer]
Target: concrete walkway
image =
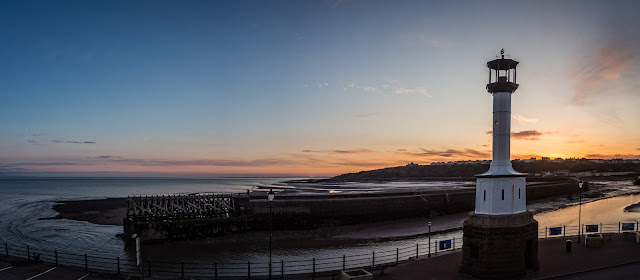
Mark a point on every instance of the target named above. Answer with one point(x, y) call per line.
point(618, 257)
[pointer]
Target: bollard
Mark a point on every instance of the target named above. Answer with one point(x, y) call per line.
point(281, 268)
point(249, 269)
point(149, 267)
point(118, 263)
point(416, 251)
point(182, 271)
point(344, 258)
point(619, 227)
point(373, 259)
point(314, 268)
point(564, 231)
point(215, 272)
point(568, 244)
point(86, 264)
point(55, 253)
point(397, 255)
point(28, 254)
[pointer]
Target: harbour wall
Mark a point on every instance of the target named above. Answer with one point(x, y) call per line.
point(309, 211)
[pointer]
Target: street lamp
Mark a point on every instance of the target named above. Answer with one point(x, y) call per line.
point(580, 211)
point(429, 255)
point(270, 196)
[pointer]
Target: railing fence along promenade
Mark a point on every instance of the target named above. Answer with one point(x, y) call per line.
point(215, 270)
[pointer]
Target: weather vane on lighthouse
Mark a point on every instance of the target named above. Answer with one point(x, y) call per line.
point(500, 236)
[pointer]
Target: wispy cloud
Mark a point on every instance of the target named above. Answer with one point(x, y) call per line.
point(447, 153)
point(524, 119)
point(316, 85)
point(72, 142)
point(369, 89)
point(352, 151)
point(418, 90)
point(201, 162)
point(526, 134)
point(390, 87)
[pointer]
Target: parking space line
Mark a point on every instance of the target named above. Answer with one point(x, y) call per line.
point(84, 276)
point(42, 273)
point(3, 269)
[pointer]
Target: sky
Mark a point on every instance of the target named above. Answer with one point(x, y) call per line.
point(307, 88)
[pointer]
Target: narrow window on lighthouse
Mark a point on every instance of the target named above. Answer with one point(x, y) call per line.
point(485, 195)
point(502, 194)
point(519, 193)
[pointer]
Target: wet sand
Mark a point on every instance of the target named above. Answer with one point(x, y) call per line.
point(109, 211)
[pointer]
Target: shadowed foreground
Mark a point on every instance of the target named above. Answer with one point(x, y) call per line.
point(619, 257)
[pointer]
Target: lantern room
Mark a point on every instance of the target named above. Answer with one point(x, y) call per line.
point(502, 75)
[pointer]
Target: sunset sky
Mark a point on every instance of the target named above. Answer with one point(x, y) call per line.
point(232, 88)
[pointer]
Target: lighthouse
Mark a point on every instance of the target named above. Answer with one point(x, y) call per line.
point(500, 238)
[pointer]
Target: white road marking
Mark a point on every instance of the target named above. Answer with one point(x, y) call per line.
point(42, 273)
point(84, 276)
point(3, 269)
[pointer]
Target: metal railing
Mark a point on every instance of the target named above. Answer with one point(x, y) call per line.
point(377, 259)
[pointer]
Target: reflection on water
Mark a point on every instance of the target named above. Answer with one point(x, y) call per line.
point(605, 211)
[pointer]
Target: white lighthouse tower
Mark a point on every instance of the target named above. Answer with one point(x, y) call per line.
point(500, 236)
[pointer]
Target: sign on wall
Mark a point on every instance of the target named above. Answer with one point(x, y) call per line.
point(445, 244)
point(591, 228)
point(555, 231)
point(628, 226)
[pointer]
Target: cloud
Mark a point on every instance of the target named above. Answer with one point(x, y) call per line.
point(610, 69)
point(200, 162)
point(73, 142)
point(317, 85)
point(38, 164)
point(388, 88)
point(447, 153)
point(369, 89)
point(352, 151)
point(105, 157)
point(523, 118)
point(418, 90)
point(527, 135)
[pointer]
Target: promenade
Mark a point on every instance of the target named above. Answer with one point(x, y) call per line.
point(618, 257)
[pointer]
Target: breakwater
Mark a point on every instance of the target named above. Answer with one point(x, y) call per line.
point(309, 211)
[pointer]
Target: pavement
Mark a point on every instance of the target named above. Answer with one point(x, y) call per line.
point(618, 258)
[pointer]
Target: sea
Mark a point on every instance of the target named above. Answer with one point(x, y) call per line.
point(25, 203)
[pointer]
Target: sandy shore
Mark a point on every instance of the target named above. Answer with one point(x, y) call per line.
point(109, 211)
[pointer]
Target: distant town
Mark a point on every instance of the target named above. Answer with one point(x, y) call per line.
point(535, 167)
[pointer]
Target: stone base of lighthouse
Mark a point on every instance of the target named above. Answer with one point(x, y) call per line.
point(499, 246)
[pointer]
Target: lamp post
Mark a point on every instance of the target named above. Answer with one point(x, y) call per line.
point(580, 212)
point(270, 196)
point(429, 254)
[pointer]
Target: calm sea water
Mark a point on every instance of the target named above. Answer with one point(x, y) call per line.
point(23, 202)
